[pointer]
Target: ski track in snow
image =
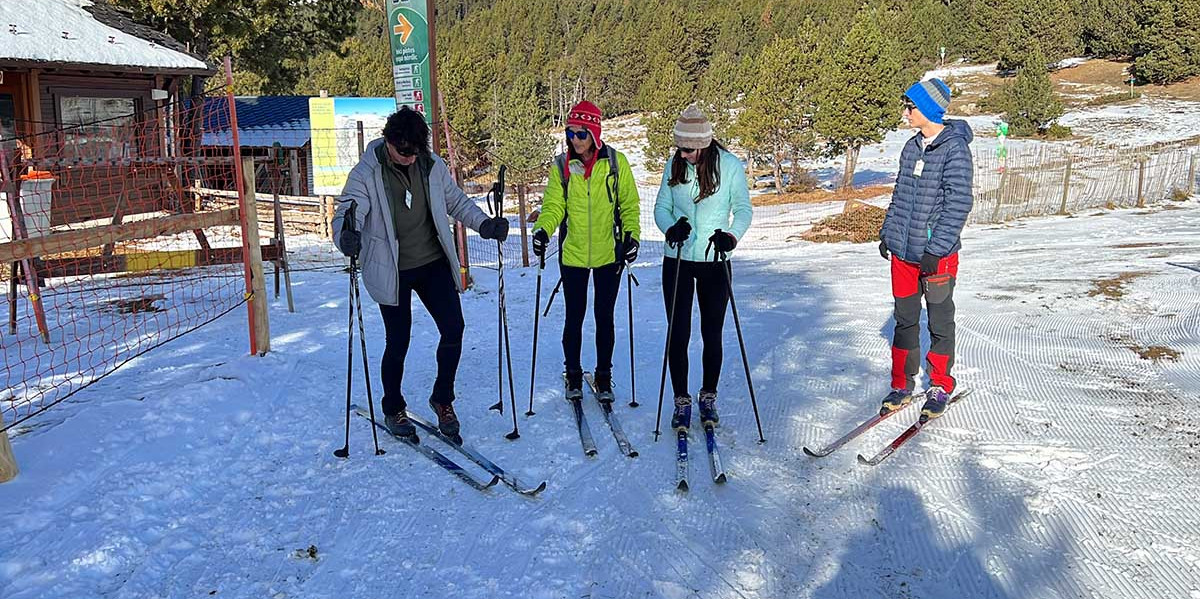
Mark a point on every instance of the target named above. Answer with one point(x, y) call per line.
point(1068, 473)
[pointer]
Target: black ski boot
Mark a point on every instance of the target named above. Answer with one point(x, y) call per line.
point(447, 421)
point(574, 386)
point(708, 408)
point(681, 420)
point(604, 392)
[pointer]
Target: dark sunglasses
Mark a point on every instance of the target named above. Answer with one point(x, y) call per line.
point(580, 135)
point(405, 151)
point(683, 150)
point(909, 104)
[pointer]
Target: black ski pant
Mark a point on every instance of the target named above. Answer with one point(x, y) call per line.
point(607, 282)
point(434, 285)
point(706, 280)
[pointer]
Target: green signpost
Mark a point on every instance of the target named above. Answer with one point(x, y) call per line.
point(408, 21)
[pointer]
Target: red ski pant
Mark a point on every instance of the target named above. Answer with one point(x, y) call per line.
point(908, 286)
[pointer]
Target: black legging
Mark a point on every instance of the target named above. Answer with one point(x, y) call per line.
point(607, 280)
point(434, 284)
point(706, 280)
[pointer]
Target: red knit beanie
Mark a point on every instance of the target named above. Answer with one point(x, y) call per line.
point(586, 115)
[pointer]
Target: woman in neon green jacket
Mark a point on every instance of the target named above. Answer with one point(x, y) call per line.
point(591, 198)
point(703, 203)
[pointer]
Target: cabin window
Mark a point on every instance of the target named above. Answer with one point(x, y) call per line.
point(99, 128)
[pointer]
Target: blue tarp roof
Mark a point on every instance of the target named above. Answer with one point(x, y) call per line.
point(262, 121)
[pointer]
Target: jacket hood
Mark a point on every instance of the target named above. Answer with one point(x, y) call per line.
point(954, 128)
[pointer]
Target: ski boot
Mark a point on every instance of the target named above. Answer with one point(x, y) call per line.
point(895, 400)
point(708, 408)
point(574, 386)
point(604, 392)
point(936, 401)
point(447, 421)
point(399, 425)
point(681, 420)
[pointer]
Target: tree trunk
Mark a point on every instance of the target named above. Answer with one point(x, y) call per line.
point(851, 165)
point(521, 192)
point(777, 163)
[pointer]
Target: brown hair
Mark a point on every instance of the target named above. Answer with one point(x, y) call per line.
point(708, 170)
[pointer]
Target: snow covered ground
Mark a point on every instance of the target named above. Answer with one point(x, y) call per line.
point(1069, 472)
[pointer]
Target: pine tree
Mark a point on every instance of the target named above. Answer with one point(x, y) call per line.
point(664, 95)
point(718, 91)
point(777, 112)
point(520, 140)
point(1169, 50)
point(859, 92)
point(1028, 102)
point(269, 41)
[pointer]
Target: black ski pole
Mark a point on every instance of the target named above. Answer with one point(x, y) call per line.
point(662, 381)
point(537, 312)
point(498, 196)
point(362, 339)
point(344, 452)
point(553, 293)
point(630, 282)
point(499, 405)
point(737, 323)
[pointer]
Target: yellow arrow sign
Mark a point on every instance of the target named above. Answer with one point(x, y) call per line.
point(403, 29)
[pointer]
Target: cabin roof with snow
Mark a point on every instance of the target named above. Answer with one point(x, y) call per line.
point(81, 34)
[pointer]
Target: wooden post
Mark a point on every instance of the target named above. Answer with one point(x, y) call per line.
point(521, 220)
point(12, 297)
point(294, 170)
point(330, 210)
point(260, 340)
point(999, 196)
point(8, 461)
point(1066, 187)
point(1141, 185)
point(1192, 175)
point(281, 241)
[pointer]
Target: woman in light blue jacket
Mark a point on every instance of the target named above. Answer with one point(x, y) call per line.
point(703, 203)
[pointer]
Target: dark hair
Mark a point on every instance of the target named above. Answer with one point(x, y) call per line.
point(708, 170)
point(407, 128)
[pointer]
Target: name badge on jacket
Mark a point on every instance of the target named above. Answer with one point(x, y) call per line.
point(919, 168)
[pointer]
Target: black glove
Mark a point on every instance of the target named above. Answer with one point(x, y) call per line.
point(723, 241)
point(678, 233)
point(883, 251)
point(494, 228)
point(929, 264)
point(540, 241)
point(629, 249)
point(350, 242)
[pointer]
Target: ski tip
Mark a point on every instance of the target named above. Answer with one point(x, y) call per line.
point(539, 489)
point(812, 454)
point(720, 479)
point(682, 486)
point(862, 460)
point(492, 483)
